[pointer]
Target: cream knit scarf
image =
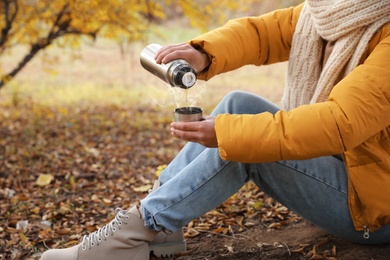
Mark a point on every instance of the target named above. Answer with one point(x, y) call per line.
point(350, 24)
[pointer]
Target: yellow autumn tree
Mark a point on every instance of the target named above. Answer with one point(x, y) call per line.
point(38, 24)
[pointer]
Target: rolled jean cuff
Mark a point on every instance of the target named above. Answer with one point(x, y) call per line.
point(149, 221)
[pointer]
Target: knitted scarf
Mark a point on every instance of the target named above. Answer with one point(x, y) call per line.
point(350, 24)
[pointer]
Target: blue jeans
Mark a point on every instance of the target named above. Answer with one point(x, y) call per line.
point(198, 180)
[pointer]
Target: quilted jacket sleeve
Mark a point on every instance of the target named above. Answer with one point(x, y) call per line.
point(357, 109)
point(265, 39)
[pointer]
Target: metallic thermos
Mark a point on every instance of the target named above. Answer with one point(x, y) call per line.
point(178, 73)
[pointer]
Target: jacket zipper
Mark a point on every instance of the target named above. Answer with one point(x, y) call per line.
point(366, 233)
point(366, 228)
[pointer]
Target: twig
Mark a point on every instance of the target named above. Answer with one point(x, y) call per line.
point(288, 249)
point(214, 233)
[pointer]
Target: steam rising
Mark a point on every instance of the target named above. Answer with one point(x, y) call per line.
point(166, 96)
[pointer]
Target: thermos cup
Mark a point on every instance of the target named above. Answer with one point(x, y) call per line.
point(188, 114)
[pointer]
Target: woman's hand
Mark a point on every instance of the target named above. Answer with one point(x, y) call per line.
point(201, 132)
point(198, 60)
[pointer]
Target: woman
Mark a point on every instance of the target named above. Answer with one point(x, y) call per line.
point(327, 148)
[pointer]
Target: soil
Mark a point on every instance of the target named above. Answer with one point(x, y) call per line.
point(294, 241)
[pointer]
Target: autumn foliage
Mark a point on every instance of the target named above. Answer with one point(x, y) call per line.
point(38, 24)
point(63, 171)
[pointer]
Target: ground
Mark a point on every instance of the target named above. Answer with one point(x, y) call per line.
point(299, 240)
point(63, 171)
point(65, 168)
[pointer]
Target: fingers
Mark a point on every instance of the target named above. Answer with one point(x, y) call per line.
point(197, 59)
point(194, 126)
point(172, 52)
point(201, 132)
point(184, 130)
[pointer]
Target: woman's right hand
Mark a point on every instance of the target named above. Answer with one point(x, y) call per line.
point(198, 60)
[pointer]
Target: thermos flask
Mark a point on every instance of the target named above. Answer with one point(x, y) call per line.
point(178, 73)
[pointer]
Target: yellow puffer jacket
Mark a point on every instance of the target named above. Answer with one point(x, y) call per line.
point(354, 121)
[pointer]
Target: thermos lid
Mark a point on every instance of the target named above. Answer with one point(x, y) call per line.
point(189, 79)
point(184, 76)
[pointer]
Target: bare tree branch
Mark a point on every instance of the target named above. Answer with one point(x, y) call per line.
point(60, 27)
point(8, 20)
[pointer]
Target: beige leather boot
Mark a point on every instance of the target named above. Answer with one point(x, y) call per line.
point(124, 238)
point(168, 245)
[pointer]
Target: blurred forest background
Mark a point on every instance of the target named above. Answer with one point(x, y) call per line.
point(84, 128)
point(57, 47)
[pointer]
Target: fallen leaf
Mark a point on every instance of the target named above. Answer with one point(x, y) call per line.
point(22, 225)
point(44, 179)
point(230, 249)
point(143, 188)
point(160, 168)
point(191, 232)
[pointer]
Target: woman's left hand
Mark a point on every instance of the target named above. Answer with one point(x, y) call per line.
point(201, 132)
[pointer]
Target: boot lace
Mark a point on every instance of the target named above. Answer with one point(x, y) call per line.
point(104, 232)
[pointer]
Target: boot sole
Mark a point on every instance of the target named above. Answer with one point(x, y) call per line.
point(167, 249)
